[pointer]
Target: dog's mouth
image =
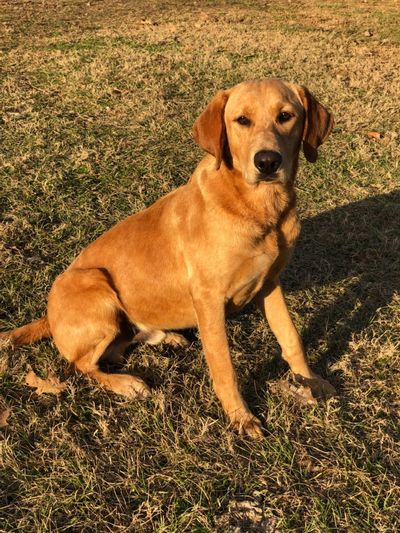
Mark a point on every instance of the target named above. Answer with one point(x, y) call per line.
point(256, 178)
point(267, 177)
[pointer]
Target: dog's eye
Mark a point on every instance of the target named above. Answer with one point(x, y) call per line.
point(243, 121)
point(284, 116)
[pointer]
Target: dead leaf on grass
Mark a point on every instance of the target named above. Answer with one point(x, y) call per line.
point(203, 15)
point(51, 385)
point(4, 416)
point(204, 18)
point(374, 135)
point(303, 395)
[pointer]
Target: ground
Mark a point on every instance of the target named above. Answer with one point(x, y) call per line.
point(96, 105)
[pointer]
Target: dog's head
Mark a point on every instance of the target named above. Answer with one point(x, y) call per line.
point(257, 127)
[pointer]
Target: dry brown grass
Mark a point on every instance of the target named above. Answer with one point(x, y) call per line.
point(97, 102)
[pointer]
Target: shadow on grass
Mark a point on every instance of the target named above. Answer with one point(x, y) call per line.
point(350, 256)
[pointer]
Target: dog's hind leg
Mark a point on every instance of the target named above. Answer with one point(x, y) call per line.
point(123, 384)
point(89, 325)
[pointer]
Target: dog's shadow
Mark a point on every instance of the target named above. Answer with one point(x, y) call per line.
point(349, 257)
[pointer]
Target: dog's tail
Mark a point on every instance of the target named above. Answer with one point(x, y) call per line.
point(26, 334)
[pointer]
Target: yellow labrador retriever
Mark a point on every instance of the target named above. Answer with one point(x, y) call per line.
point(199, 253)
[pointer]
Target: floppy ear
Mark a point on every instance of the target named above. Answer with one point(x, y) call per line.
point(209, 130)
point(318, 124)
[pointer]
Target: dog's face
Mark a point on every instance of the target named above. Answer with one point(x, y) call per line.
point(257, 127)
point(264, 125)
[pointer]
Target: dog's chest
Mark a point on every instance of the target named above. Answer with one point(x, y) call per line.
point(267, 260)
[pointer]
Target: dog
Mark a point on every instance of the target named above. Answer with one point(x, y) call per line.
point(199, 253)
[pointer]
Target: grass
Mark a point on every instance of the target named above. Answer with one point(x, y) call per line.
point(97, 102)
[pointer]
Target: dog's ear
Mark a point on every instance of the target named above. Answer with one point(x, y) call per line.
point(209, 130)
point(318, 124)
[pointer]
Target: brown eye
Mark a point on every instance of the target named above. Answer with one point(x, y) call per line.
point(284, 116)
point(243, 121)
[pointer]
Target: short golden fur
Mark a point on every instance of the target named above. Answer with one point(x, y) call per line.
point(202, 251)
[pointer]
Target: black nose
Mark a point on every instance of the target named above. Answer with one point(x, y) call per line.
point(267, 161)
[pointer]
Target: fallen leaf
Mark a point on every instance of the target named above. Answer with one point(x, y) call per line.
point(203, 15)
point(3, 417)
point(204, 18)
point(374, 135)
point(301, 394)
point(51, 385)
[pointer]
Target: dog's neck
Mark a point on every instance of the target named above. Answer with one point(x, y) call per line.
point(227, 189)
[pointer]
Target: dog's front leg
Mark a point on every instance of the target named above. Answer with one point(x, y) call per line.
point(211, 322)
point(273, 305)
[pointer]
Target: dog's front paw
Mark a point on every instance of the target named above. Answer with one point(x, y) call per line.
point(247, 424)
point(320, 388)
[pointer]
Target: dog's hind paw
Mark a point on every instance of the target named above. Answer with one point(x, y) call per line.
point(128, 386)
point(157, 336)
point(176, 340)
